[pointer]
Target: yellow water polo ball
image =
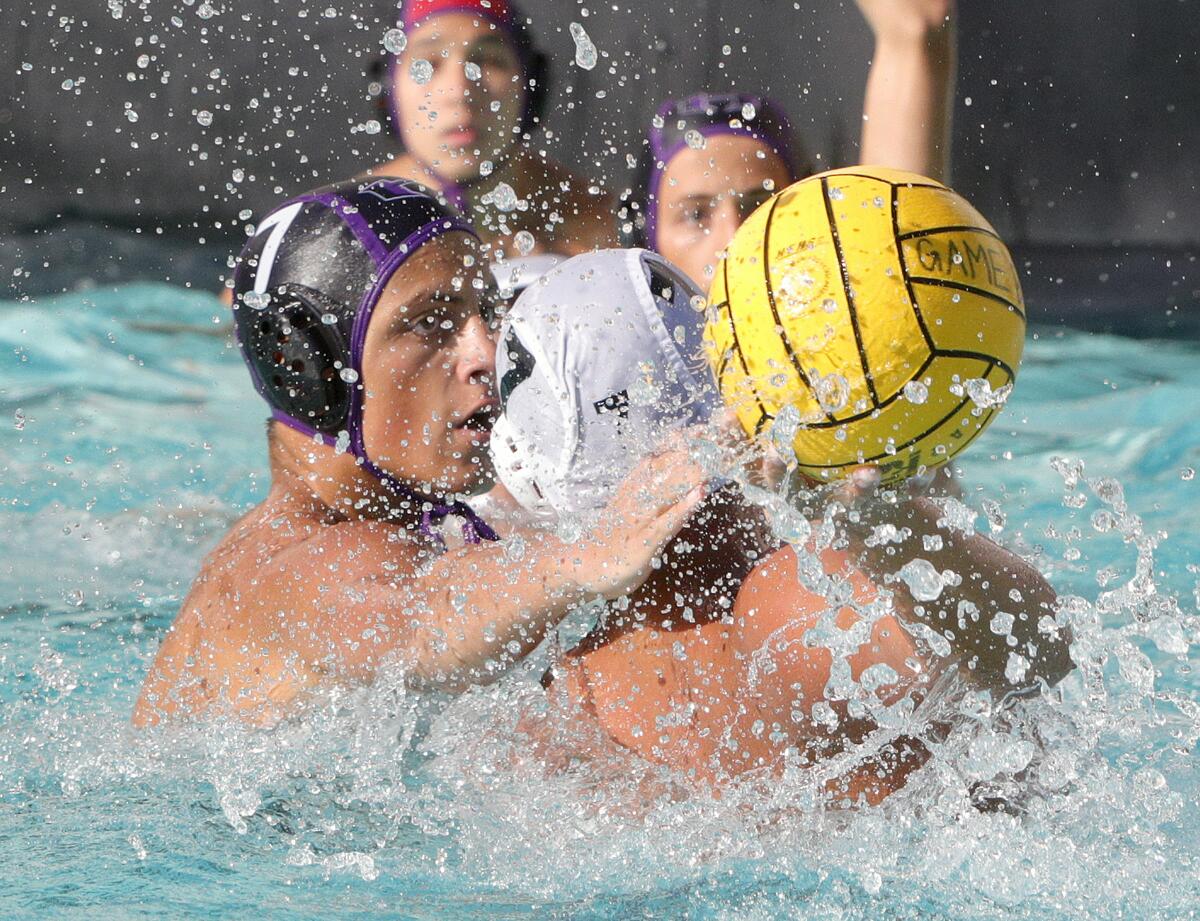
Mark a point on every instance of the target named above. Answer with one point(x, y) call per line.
point(866, 316)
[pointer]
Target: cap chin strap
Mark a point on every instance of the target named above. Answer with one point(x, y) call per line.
point(434, 510)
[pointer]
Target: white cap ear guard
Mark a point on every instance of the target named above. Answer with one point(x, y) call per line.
point(590, 378)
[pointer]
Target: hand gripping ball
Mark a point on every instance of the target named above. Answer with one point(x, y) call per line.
point(866, 316)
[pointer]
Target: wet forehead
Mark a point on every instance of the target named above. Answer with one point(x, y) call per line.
point(727, 162)
point(449, 30)
point(432, 270)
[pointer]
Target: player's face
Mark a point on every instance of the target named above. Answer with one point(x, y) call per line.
point(704, 195)
point(429, 363)
point(467, 110)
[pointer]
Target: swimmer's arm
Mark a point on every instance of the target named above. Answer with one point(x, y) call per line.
point(993, 586)
point(910, 87)
point(476, 611)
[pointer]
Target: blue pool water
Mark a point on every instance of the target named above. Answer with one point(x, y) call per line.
point(131, 439)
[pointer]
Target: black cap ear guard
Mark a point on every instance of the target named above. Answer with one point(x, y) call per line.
point(296, 347)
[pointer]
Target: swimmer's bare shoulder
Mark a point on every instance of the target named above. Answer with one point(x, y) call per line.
point(588, 219)
point(215, 648)
point(774, 608)
point(294, 597)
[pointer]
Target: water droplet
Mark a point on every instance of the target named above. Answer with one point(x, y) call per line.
point(995, 515)
point(329, 319)
point(585, 50)
point(836, 194)
point(256, 300)
point(330, 12)
point(421, 71)
point(238, 175)
point(922, 579)
point(832, 391)
point(131, 116)
point(1187, 473)
point(143, 61)
point(471, 69)
point(349, 375)
point(1015, 670)
point(769, 185)
point(748, 111)
point(727, 50)
point(486, 167)
point(19, 419)
point(695, 139)
point(525, 242)
point(395, 41)
point(245, 214)
point(504, 197)
point(371, 126)
point(982, 395)
point(204, 117)
point(74, 597)
point(916, 392)
point(698, 303)
point(206, 11)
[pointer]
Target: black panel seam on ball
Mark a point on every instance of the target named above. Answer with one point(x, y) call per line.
point(992, 360)
point(787, 342)
point(948, 228)
point(737, 345)
point(912, 295)
point(884, 403)
point(902, 447)
point(969, 289)
point(848, 290)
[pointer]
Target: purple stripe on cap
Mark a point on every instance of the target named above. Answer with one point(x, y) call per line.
point(293, 423)
point(662, 153)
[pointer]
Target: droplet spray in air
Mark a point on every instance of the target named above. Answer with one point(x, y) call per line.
point(585, 50)
point(421, 71)
point(395, 41)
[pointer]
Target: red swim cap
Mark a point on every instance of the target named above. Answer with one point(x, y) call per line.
point(500, 12)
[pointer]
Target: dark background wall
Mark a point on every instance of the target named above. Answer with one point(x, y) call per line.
point(1077, 123)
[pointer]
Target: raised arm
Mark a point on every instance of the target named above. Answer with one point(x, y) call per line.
point(474, 612)
point(910, 87)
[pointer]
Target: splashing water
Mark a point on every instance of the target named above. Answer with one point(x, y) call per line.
point(421, 71)
point(585, 50)
point(395, 41)
point(377, 800)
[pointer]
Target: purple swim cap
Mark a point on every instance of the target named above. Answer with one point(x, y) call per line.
point(711, 114)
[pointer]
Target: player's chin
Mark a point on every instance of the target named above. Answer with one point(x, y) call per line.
point(468, 470)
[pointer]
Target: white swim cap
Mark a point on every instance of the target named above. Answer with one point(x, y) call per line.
point(512, 276)
point(591, 379)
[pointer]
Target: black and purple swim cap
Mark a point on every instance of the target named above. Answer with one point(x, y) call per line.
point(305, 287)
point(706, 115)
